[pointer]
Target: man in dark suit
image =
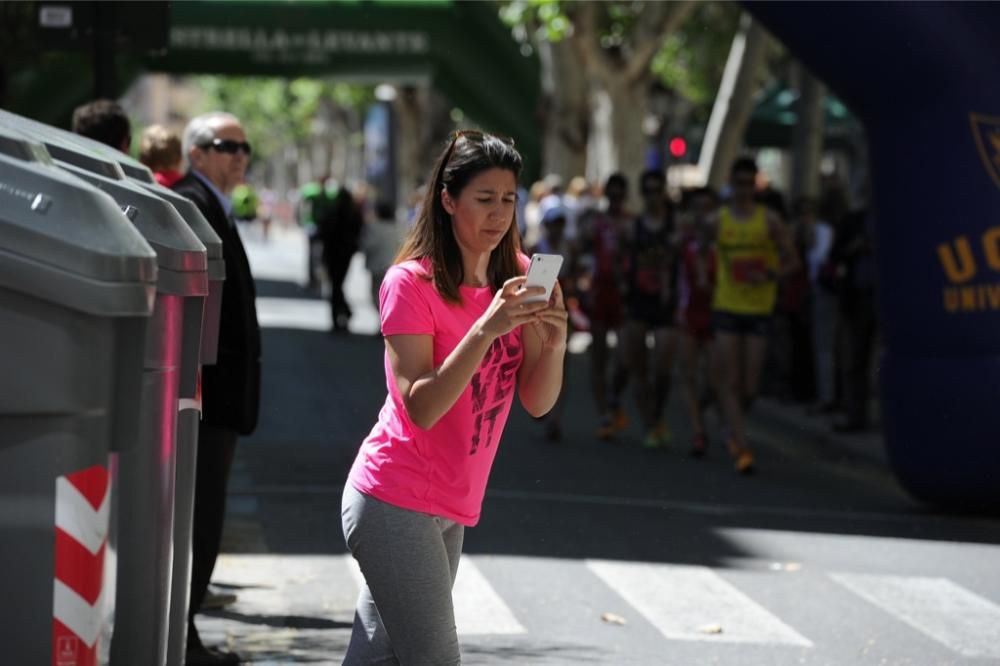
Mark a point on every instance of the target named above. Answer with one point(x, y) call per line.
point(218, 152)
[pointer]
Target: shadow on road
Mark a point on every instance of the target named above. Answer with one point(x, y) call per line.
point(581, 498)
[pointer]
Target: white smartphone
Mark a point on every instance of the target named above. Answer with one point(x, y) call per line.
point(543, 272)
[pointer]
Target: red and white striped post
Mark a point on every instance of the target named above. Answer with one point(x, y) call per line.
point(82, 513)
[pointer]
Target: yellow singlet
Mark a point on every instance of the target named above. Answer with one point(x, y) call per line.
point(744, 246)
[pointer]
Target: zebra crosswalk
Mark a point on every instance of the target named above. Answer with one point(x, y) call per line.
point(689, 602)
point(683, 604)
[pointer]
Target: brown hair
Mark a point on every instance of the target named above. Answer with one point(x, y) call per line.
point(433, 237)
point(103, 120)
point(160, 148)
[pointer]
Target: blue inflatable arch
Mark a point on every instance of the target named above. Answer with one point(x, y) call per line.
point(923, 79)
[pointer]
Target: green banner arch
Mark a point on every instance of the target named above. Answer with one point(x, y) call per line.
point(462, 48)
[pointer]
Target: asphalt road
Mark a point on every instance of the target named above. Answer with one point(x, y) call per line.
point(589, 552)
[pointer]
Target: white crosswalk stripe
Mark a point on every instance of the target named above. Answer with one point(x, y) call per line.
point(937, 607)
point(682, 602)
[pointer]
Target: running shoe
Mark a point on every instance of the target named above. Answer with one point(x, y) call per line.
point(606, 430)
point(658, 437)
point(619, 419)
point(699, 446)
point(744, 462)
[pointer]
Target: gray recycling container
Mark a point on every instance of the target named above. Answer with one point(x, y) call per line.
point(77, 285)
point(147, 476)
point(201, 341)
point(204, 347)
point(201, 315)
point(189, 412)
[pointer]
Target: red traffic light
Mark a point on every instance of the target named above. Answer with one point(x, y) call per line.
point(678, 147)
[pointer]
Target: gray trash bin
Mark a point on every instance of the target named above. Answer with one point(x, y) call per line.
point(147, 480)
point(189, 415)
point(201, 338)
point(200, 342)
point(77, 285)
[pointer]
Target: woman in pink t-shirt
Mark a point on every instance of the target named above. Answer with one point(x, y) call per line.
point(460, 339)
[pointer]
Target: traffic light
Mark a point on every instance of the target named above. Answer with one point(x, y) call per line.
point(678, 147)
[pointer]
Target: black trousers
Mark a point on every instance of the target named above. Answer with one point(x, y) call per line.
point(216, 446)
point(337, 266)
point(861, 319)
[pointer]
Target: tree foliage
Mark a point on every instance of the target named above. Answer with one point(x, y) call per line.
point(690, 60)
point(277, 112)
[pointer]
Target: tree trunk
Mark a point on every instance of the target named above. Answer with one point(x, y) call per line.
point(628, 110)
point(734, 102)
point(411, 123)
point(566, 112)
point(807, 146)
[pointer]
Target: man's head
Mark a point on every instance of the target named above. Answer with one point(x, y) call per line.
point(744, 179)
point(616, 190)
point(217, 148)
point(104, 120)
point(652, 187)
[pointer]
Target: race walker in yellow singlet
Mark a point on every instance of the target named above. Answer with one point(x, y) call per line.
point(745, 247)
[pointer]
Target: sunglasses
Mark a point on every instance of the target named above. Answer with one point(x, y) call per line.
point(227, 146)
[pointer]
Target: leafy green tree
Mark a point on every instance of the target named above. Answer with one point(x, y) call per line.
point(277, 112)
point(620, 49)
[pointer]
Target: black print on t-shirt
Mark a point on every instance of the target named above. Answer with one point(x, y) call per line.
point(499, 365)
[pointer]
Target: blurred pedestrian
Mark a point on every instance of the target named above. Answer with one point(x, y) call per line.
point(554, 241)
point(533, 213)
point(218, 152)
point(312, 198)
point(340, 225)
point(104, 120)
point(854, 251)
point(380, 241)
point(827, 324)
point(651, 306)
point(795, 307)
point(460, 341)
point(160, 150)
point(754, 251)
point(602, 242)
point(696, 286)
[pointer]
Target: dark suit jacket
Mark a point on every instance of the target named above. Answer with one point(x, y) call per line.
point(231, 388)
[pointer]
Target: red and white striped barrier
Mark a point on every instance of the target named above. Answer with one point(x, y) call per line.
point(82, 512)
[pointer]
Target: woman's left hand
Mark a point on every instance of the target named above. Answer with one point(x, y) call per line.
point(551, 324)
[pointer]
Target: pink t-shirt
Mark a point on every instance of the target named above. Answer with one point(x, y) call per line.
point(441, 471)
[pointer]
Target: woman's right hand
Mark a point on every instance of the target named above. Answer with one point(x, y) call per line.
point(509, 310)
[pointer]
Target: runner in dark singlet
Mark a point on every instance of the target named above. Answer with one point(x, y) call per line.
point(651, 305)
point(603, 240)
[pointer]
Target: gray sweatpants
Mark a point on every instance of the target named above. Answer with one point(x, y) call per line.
point(405, 615)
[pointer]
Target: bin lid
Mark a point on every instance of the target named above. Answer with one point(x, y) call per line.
point(64, 240)
point(137, 171)
point(181, 257)
point(177, 247)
